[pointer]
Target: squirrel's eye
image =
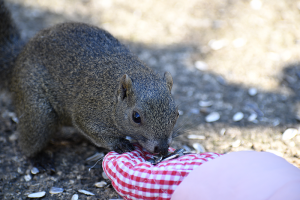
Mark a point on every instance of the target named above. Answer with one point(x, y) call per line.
point(136, 117)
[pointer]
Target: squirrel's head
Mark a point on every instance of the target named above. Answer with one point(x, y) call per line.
point(146, 111)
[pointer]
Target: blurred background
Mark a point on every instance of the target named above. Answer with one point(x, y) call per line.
point(235, 63)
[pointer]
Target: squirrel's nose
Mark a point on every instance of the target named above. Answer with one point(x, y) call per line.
point(163, 150)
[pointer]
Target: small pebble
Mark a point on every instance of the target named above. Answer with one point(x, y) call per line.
point(190, 93)
point(212, 117)
point(196, 137)
point(13, 137)
point(252, 91)
point(216, 44)
point(276, 122)
point(180, 112)
point(86, 192)
point(37, 195)
point(195, 111)
point(205, 110)
point(35, 170)
point(239, 42)
point(15, 119)
point(256, 4)
point(292, 144)
point(75, 197)
point(205, 103)
point(27, 177)
point(104, 175)
point(252, 117)
point(202, 66)
point(56, 190)
point(100, 184)
point(199, 148)
point(20, 171)
point(221, 80)
point(289, 134)
point(238, 116)
point(13, 116)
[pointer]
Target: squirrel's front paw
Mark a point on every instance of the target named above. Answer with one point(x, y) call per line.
point(43, 162)
point(123, 146)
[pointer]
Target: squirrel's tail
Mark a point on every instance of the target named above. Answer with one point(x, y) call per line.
point(10, 44)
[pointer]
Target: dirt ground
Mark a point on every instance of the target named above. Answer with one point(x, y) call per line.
point(216, 52)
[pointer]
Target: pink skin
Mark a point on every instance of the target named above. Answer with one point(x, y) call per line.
point(243, 175)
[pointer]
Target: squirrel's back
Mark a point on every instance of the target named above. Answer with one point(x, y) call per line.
point(74, 57)
point(10, 44)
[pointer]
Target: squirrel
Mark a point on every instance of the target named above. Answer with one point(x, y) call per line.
point(75, 74)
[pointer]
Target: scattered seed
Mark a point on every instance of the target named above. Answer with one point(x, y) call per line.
point(37, 195)
point(104, 175)
point(56, 190)
point(27, 177)
point(289, 133)
point(238, 116)
point(86, 192)
point(100, 184)
point(237, 143)
point(202, 66)
point(75, 197)
point(212, 117)
point(252, 117)
point(187, 148)
point(222, 132)
point(35, 170)
point(95, 157)
point(205, 103)
point(196, 137)
point(180, 112)
point(217, 44)
point(252, 91)
point(199, 148)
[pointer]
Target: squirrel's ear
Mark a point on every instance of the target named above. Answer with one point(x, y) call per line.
point(125, 87)
point(169, 80)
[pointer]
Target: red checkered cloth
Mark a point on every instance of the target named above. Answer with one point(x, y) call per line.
point(135, 178)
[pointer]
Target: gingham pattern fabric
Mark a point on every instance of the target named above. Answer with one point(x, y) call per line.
point(135, 178)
